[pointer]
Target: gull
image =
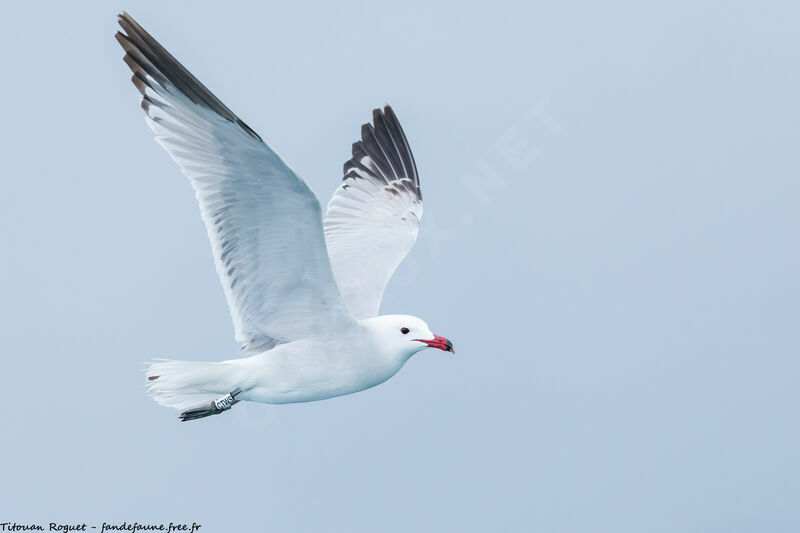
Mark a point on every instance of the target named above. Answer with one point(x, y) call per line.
point(304, 291)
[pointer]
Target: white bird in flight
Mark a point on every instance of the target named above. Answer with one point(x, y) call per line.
point(303, 291)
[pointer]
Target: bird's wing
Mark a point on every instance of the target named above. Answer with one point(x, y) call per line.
point(264, 222)
point(373, 218)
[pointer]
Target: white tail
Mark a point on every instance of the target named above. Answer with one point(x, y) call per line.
point(184, 384)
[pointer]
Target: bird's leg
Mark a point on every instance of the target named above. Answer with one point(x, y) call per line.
point(223, 403)
point(220, 405)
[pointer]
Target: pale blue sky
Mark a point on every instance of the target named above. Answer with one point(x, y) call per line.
point(621, 285)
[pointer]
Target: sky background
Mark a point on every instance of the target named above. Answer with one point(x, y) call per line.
point(610, 239)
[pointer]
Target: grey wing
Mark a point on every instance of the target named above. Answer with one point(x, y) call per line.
point(373, 219)
point(263, 221)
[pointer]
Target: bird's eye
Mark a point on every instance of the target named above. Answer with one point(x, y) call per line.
point(404, 331)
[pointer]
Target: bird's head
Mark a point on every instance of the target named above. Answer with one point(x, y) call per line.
point(405, 334)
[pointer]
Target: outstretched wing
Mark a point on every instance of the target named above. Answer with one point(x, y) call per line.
point(373, 218)
point(263, 221)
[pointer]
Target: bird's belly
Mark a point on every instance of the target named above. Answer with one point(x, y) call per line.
point(281, 378)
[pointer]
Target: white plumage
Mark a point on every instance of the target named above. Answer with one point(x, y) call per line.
point(304, 295)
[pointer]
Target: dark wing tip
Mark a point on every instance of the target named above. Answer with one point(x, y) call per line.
point(145, 53)
point(386, 145)
point(389, 112)
point(389, 117)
